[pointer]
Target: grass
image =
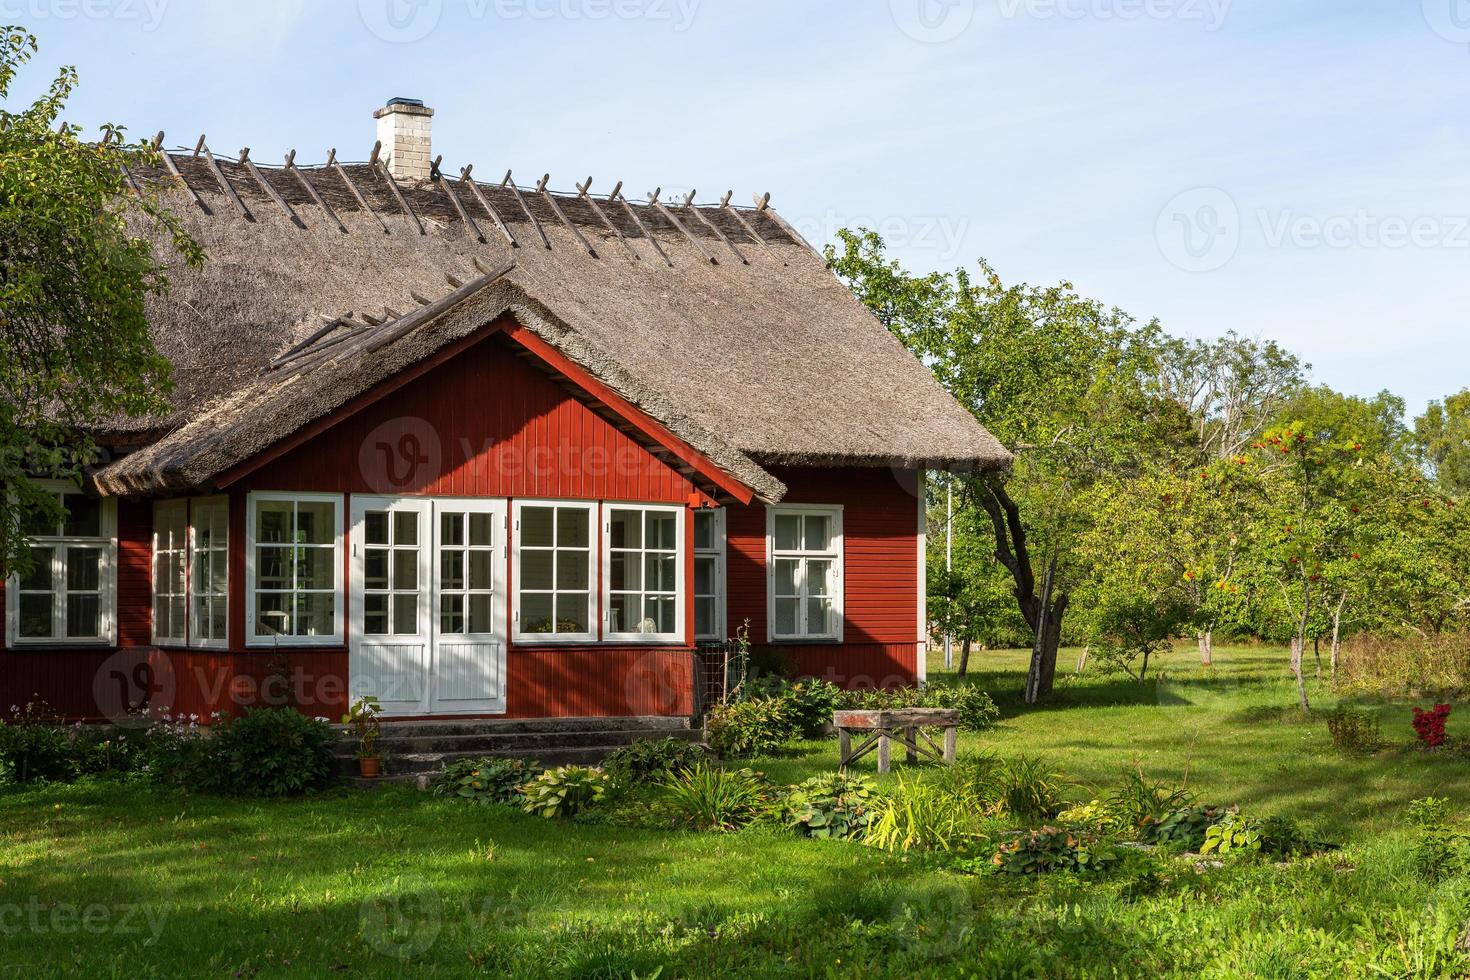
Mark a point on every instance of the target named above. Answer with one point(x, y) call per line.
point(106, 880)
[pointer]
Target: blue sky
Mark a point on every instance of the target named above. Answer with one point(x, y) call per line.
point(1297, 170)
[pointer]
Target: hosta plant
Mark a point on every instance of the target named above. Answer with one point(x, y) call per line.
point(1184, 829)
point(1052, 849)
point(486, 780)
point(565, 791)
point(650, 761)
point(836, 805)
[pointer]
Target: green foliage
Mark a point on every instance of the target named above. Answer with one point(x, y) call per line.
point(758, 726)
point(1441, 847)
point(1442, 438)
point(486, 780)
point(1354, 729)
point(1429, 811)
point(35, 747)
point(362, 717)
point(1097, 816)
point(1184, 829)
point(834, 805)
point(564, 791)
point(1051, 849)
point(808, 702)
point(917, 815)
point(1025, 787)
point(977, 710)
point(649, 761)
point(1141, 802)
point(75, 347)
point(712, 798)
point(265, 752)
point(1278, 837)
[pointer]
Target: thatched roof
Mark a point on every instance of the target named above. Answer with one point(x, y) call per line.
point(744, 346)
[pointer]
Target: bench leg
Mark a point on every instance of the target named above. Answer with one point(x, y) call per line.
point(844, 743)
point(910, 745)
point(883, 751)
point(951, 737)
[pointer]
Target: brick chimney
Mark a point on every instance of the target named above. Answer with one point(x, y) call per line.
point(406, 128)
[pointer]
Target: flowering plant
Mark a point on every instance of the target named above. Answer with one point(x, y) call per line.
point(1430, 725)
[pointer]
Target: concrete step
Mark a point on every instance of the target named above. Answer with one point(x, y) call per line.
point(529, 726)
point(407, 767)
point(512, 744)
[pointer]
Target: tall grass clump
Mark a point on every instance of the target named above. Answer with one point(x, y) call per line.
point(1418, 666)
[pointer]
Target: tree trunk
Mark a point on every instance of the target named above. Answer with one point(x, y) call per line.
point(1299, 649)
point(1082, 660)
point(1337, 635)
point(1143, 667)
point(1043, 612)
point(1207, 648)
point(1317, 652)
point(964, 657)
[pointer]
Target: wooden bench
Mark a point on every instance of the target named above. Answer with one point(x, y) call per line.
point(905, 724)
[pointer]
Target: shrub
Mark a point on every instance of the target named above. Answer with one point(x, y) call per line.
point(264, 752)
point(713, 798)
point(648, 761)
point(1429, 725)
point(35, 747)
point(1429, 812)
point(917, 816)
point(1141, 802)
point(835, 805)
point(1440, 849)
point(1052, 849)
point(486, 780)
point(1026, 788)
point(565, 791)
point(746, 728)
point(977, 711)
point(810, 702)
point(1098, 816)
point(1354, 729)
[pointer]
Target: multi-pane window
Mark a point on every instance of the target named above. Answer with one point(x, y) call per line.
point(553, 574)
point(295, 568)
point(66, 596)
point(709, 574)
point(466, 573)
point(170, 571)
point(806, 570)
point(209, 565)
point(644, 573)
point(392, 587)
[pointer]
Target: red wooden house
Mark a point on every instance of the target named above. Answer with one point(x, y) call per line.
point(487, 450)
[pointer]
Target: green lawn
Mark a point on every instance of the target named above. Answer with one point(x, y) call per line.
point(102, 879)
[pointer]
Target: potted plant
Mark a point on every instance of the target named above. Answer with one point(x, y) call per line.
point(363, 716)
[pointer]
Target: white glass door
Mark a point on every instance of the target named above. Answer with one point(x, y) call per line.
point(428, 604)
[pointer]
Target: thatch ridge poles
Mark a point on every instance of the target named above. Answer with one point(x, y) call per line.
point(464, 178)
point(311, 191)
point(541, 189)
point(224, 182)
point(430, 311)
point(270, 191)
point(617, 195)
point(763, 206)
point(362, 201)
point(458, 207)
point(749, 228)
point(507, 182)
point(597, 209)
point(689, 206)
point(659, 206)
point(173, 170)
point(379, 168)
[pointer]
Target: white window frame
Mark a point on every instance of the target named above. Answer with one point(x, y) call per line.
point(196, 640)
point(836, 554)
point(107, 603)
point(179, 551)
point(593, 540)
point(254, 639)
point(721, 594)
point(681, 590)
